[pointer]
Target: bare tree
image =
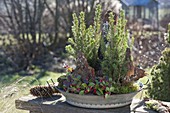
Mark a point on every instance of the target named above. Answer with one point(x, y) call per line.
point(24, 24)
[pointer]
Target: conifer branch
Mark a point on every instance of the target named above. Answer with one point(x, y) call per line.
point(114, 55)
point(86, 40)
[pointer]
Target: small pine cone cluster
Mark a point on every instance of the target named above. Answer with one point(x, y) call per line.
point(43, 91)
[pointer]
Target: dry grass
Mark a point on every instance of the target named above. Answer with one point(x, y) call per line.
point(8, 96)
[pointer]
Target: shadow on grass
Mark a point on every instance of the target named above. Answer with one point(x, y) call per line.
point(7, 79)
point(38, 77)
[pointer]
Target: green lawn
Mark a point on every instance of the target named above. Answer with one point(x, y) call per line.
point(17, 85)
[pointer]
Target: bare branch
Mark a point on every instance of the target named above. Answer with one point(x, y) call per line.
point(51, 12)
point(9, 15)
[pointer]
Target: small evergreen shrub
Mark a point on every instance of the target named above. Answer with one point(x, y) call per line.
point(86, 40)
point(114, 53)
point(160, 84)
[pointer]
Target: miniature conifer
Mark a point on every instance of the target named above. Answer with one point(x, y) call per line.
point(160, 84)
point(86, 40)
point(113, 63)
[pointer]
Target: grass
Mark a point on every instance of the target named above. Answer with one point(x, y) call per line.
point(14, 86)
point(8, 96)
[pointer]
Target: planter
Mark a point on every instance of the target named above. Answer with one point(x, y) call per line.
point(94, 101)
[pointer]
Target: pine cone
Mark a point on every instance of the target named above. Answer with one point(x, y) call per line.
point(43, 91)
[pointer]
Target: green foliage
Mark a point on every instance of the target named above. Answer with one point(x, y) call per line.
point(100, 86)
point(169, 33)
point(152, 104)
point(113, 64)
point(85, 39)
point(88, 41)
point(160, 85)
